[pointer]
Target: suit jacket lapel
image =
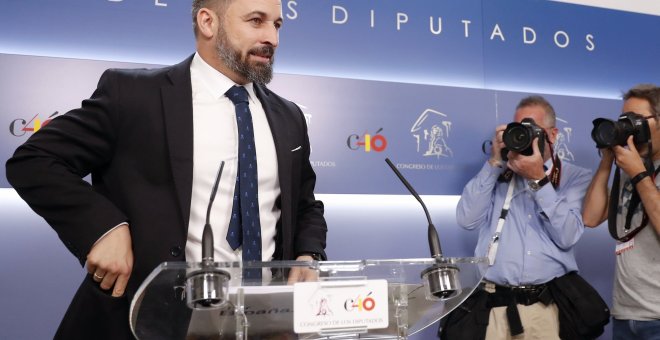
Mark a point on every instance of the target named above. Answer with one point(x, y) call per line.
point(281, 138)
point(177, 115)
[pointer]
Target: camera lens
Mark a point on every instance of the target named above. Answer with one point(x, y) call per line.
point(604, 133)
point(608, 133)
point(517, 137)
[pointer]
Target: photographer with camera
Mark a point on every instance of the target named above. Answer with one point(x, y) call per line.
point(527, 212)
point(632, 209)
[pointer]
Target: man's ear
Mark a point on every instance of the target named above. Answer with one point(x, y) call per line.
point(207, 23)
point(552, 137)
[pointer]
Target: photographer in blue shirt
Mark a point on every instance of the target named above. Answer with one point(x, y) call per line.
point(534, 241)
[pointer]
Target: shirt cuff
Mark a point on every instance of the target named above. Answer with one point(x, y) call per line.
point(545, 197)
point(490, 173)
point(108, 232)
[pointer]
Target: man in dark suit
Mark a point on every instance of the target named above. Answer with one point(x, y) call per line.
point(152, 141)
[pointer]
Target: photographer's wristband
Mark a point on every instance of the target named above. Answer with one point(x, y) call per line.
point(639, 177)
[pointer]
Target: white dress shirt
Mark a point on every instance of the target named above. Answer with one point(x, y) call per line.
point(215, 140)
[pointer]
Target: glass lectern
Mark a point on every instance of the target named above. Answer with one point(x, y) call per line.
point(368, 299)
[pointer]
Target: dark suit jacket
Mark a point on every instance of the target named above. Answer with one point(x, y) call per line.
point(135, 137)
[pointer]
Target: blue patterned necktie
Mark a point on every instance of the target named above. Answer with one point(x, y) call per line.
point(244, 226)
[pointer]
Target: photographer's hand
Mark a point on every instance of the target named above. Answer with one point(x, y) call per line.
point(631, 162)
point(497, 144)
point(530, 167)
point(628, 159)
point(606, 157)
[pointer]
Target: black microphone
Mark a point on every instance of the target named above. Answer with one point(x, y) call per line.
point(441, 280)
point(207, 234)
point(207, 286)
point(434, 241)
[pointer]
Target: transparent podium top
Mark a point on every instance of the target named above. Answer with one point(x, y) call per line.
point(411, 294)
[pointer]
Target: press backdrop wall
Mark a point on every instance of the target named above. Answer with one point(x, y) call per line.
point(421, 82)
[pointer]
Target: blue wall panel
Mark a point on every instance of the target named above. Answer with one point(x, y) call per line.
point(398, 71)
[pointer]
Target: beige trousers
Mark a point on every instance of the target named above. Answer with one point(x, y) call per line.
point(539, 322)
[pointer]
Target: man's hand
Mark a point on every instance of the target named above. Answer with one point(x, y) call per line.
point(303, 274)
point(606, 158)
point(530, 167)
point(628, 159)
point(110, 261)
point(497, 144)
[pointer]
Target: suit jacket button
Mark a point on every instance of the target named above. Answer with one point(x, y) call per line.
point(175, 251)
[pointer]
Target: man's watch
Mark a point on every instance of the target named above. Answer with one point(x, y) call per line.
point(315, 256)
point(536, 185)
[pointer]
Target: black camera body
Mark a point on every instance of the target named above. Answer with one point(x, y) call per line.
point(518, 137)
point(608, 133)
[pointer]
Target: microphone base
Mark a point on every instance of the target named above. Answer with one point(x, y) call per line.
point(441, 281)
point(207, 288)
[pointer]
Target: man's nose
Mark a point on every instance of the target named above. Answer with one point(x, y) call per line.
point(271, 36)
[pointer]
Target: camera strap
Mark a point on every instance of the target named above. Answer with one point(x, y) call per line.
point(635, 200)
point(555, 173)
point(495, 240)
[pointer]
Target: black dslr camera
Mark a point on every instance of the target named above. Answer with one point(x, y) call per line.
point(518, 137)
point(608, 133)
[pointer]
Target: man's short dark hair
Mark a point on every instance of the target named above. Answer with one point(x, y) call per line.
point(535, 100)
point(648, 92)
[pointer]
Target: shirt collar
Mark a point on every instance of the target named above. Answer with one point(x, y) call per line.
point(214, 81)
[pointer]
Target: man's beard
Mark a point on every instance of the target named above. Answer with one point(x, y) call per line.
point(261, 73)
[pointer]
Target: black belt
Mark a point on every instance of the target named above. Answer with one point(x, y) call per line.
point(523, 295)
point(505, 296)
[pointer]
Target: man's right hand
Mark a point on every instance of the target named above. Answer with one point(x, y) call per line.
point(110, 262)
point(497, 144)
point(628, 159)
